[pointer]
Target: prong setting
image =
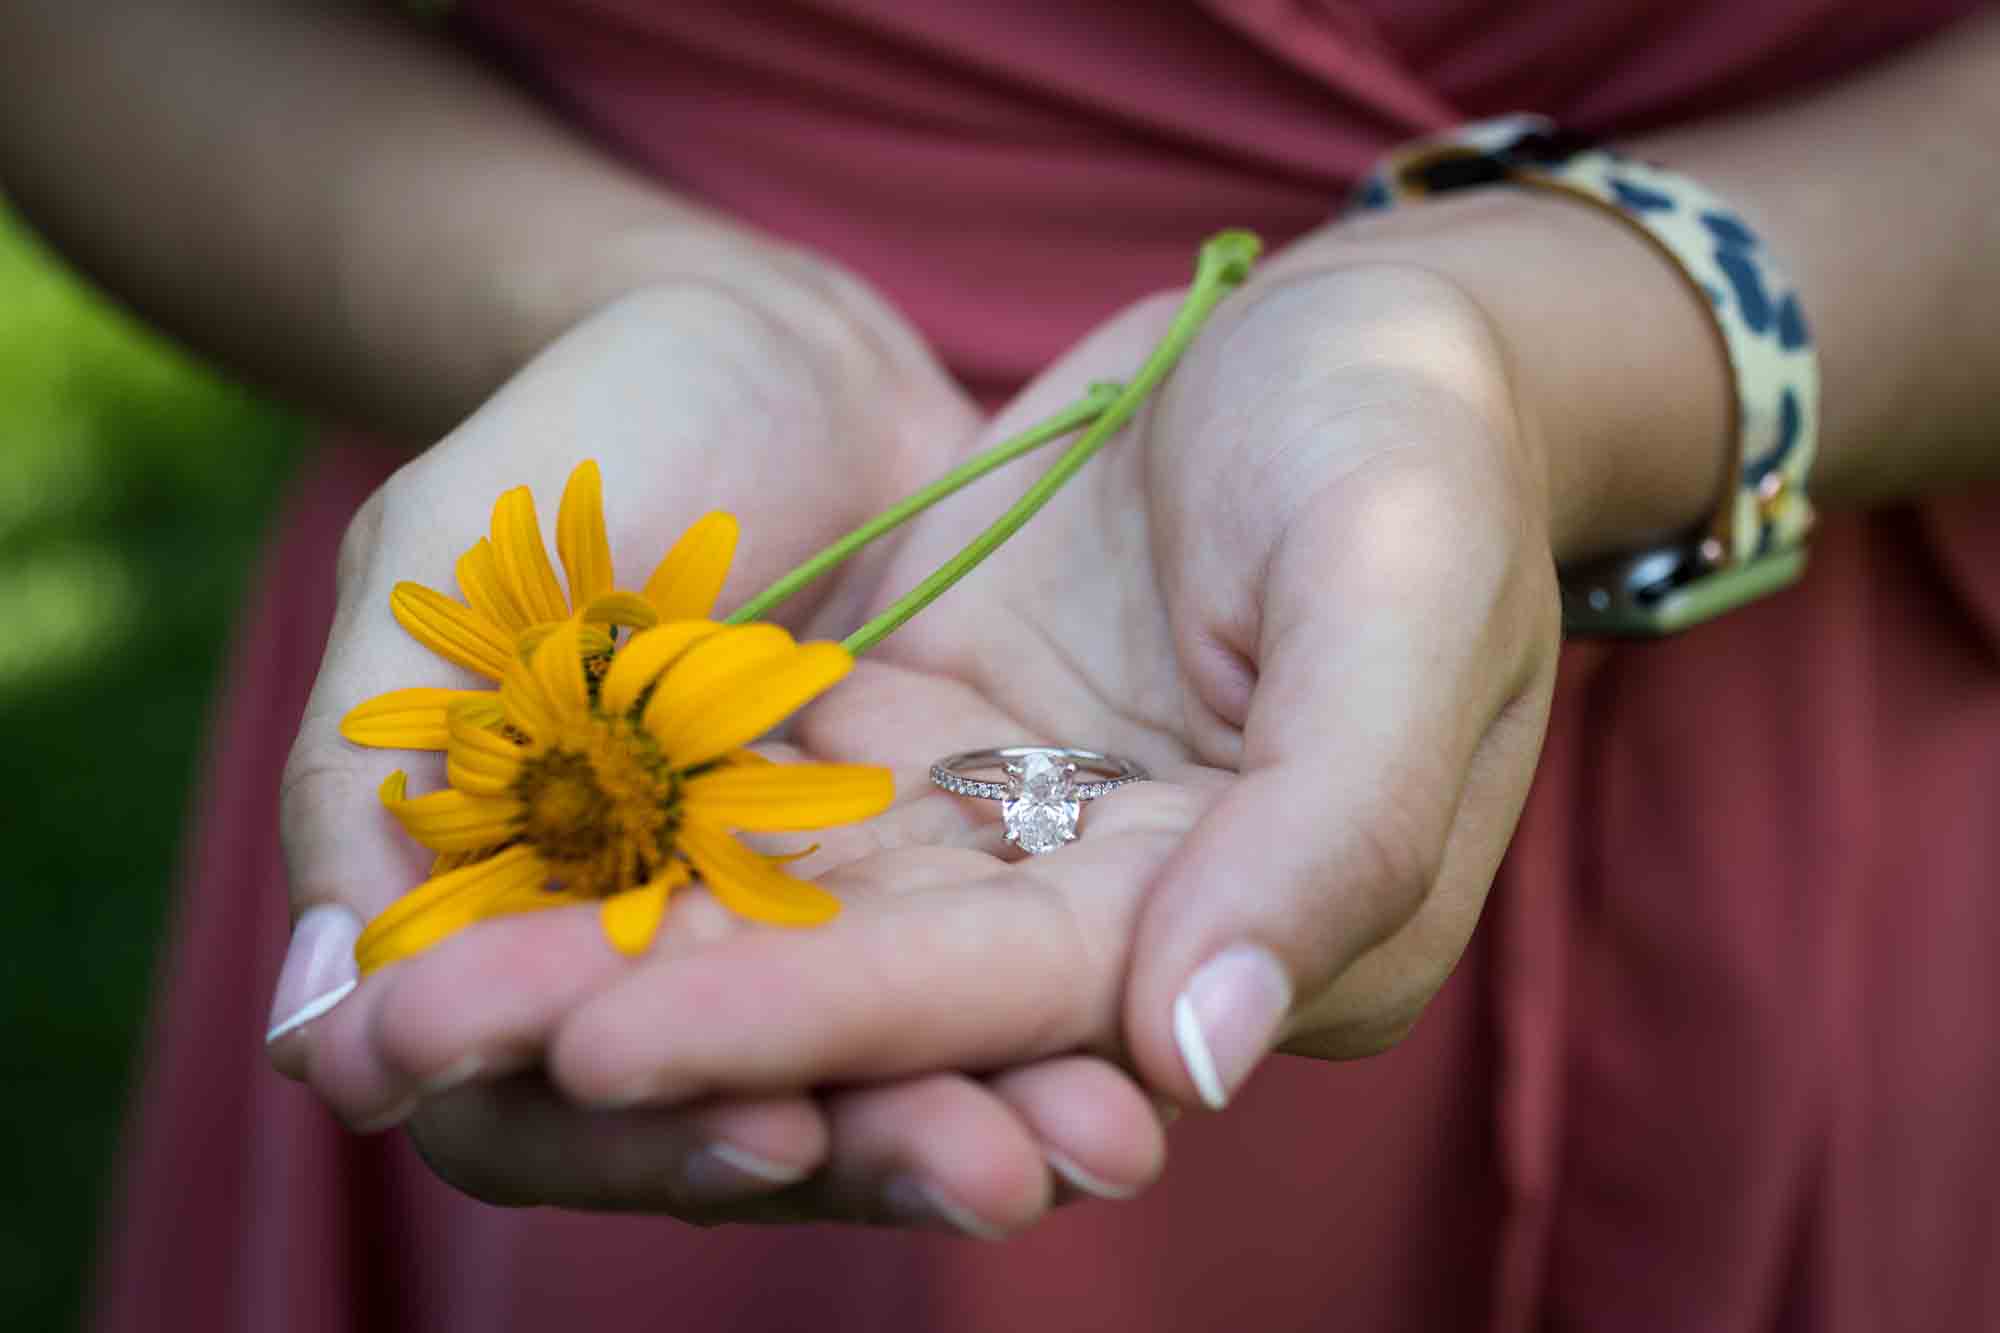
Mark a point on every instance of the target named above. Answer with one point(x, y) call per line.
point(1041, 797)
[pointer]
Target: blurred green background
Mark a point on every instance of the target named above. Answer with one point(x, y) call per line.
point(134, 492)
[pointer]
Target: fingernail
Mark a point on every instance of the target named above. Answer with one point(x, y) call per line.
point(916, 1201)
point(640, 1092)
point(1228, 1017)
point(721, 1172)
point(389, 1119)
point(463, 1071)
point(1066, 1167)
point(319, 968)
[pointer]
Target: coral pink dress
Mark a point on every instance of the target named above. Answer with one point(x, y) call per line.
point(1725, 1053)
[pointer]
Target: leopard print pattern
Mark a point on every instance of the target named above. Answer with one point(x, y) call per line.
point(1755, 306)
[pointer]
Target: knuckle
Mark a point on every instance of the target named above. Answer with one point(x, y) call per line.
point(1393, 859)
point(405, 1040)
point(361, 540)
point(303, 791)
point(696, 305)
point(314, 780)
point(317, 782)
point(309, 769)
point(1084, 1014)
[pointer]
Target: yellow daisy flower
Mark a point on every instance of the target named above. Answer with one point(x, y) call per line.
point(512, 601)
point(623, 796)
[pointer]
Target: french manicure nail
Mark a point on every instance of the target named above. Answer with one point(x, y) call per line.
point(1066, 1166)
point(459, 1072)
point(389, 1119)
point(639, 1092)
point(721, 1172)
point(1228, 1016)
point(319, 968)
point(916, 1201)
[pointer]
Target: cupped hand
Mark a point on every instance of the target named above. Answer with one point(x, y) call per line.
point(692, 399)
point(1311, 589)
point(1313, 592)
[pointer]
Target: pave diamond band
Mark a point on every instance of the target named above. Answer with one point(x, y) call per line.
point(1040, 799)
point(949, 771)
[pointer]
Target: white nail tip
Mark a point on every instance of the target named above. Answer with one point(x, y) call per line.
point(389, 1119)
point(463, 1070)
point(308, 1011)
point(750, 1164)
point(1194, 1054)
point(1067, 1168)
point(959, 1216)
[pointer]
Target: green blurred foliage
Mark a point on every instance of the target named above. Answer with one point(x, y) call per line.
point(134, 491)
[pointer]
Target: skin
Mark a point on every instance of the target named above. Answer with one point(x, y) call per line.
point(1316, 597)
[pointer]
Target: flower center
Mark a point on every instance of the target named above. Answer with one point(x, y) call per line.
point(601, 808)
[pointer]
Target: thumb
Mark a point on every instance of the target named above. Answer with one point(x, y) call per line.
point(344, 860)
point(1373, 689)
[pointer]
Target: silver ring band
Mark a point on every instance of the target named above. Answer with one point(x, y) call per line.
point(949, 772)
point(1039, 799)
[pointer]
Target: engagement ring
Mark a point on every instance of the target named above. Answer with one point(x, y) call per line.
point(1039, 798)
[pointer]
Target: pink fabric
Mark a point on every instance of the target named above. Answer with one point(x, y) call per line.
point(1723, 1054)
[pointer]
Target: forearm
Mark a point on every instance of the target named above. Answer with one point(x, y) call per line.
point(1882, 198)
point(323, 199)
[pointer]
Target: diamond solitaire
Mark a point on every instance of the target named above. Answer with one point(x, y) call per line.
point(1041, 807)
point(1040, 799)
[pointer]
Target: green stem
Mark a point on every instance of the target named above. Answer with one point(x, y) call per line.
point(1225, 262)
point(1078, 414)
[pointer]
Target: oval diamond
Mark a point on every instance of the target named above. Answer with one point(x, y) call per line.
point(1041, 807)
point(1040, 826)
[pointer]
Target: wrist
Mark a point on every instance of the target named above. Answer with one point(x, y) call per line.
point(1620, 387)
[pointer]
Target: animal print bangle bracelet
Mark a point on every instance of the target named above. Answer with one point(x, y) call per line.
point(1754, 543)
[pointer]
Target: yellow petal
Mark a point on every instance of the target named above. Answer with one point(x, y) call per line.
point(524, 562)
point(749, 885)
point(744, 707)
point(511, 881)
point(529, 709)
point(405, 719)
point(710, 665)
point(480, 708)
point(580, 540)
point(590, 639)
point(479, 760)
point(454, 632)
point(451, 821)
point(478, 774)
point(445, 861)
point(621, 608)
point(632, 918)
point(688, 580)
point(558, 666)
point(775, 797)
point(639, 662)
point(485, 590)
